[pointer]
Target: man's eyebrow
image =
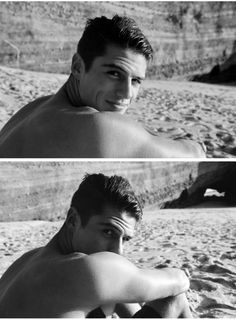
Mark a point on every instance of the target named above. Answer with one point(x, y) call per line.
point(114, 66)
point(107, 224)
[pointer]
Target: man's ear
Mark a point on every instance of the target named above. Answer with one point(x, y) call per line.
point(73, 218)
point(77, 66)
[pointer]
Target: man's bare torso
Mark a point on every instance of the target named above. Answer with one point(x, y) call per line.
point(51, 127)
point(28, 290)
point(42, 129)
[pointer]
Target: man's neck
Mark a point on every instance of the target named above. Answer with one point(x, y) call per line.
point(72, 91)
point(62, 241)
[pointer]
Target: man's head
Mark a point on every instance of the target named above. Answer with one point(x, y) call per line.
point(104, 212)
point(110, 63)
point(102, 32)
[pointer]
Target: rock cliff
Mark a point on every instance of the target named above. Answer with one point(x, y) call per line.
point(219, 176)
point(43, 190)
point(220, 73)
point(186, 36)
point(31, 190)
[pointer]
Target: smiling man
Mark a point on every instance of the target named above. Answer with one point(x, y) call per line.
point(81, 273)
point(85, 117)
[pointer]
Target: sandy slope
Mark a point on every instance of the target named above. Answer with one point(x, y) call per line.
point(167, 108)
point(201, 239)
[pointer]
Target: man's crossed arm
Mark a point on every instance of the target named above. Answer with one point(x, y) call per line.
point(105, 279)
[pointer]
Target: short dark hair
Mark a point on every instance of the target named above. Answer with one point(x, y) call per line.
point(97, 190)
point(120, 31)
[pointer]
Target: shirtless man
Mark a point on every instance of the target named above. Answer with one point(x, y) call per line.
point(81, 273)
point(85, 117)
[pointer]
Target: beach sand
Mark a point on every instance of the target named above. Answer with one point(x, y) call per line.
point(200, 239)
point(175, 108)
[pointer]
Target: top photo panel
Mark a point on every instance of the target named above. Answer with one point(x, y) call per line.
point(117, 79)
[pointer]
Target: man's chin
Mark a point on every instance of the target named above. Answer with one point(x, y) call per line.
point(117, 108)
point(111, 108)
point(119, 111)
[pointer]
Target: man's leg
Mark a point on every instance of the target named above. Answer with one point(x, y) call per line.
point(96, 313)
point(171, 307)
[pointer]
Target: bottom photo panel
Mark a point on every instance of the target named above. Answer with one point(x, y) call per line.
point(144, 239)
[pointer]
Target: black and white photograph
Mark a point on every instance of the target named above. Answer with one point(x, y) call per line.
point(168, 219)
point(70, 70)
point(117, 159)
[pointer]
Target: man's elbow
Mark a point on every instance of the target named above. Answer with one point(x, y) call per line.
point(183, 283)
point(192, 149)
point(200, 150)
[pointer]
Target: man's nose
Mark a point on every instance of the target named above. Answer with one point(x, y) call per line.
point(125, 90)
point(117, 247)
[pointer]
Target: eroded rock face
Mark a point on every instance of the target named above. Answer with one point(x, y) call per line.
point(43, 190)
point(220, 73)
point(34, 190)
point(220, 176)
point(186, 36)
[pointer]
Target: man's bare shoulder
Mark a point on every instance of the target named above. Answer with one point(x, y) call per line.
point(64, 131)
point(17, 266)
point(103, 134)
point(22, 113)
point(39, 265)
point(76, 132)
point(113, 135)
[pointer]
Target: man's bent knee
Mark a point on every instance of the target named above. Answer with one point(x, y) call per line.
point(172, 307)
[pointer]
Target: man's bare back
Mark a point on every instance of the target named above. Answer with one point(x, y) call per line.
point(44, 128)
point(81, 269)
point(85, 118)
point(28, 289)
point(45, 283)
point(51, 127)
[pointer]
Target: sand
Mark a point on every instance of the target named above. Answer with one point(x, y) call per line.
point(174, 108)
point(200, 239)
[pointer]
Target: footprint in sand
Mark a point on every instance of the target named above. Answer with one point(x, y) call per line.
point(212, 303)
point(226, 283)
point(216, 269)
point(208, 303)
point(201, 284)
point(202, 258)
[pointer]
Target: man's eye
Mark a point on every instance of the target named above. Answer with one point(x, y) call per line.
point(108, 232)
point(136, 81)
point(114, 74)
point(125, 239)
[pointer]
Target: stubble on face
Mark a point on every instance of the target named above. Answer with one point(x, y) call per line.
point(107, 231)
point(113, 80)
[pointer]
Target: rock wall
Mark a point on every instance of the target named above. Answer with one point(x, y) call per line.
point(220, 176)
point(43, 190)
point(186, 36)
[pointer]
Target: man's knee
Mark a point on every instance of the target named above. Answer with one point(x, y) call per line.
point(171, 307)
point(177, 305)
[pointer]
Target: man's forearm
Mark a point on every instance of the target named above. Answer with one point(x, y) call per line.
point(132, 284)
point(165, 282)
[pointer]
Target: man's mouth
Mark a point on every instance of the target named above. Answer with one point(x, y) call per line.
point(118, 106)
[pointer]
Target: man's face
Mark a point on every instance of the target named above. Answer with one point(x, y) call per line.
point(107, 231)
point(113, 80)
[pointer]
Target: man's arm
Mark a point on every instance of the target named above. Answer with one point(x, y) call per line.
point(116, 136)
point(95, 135)
point(118, 280)
point(104, 279)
